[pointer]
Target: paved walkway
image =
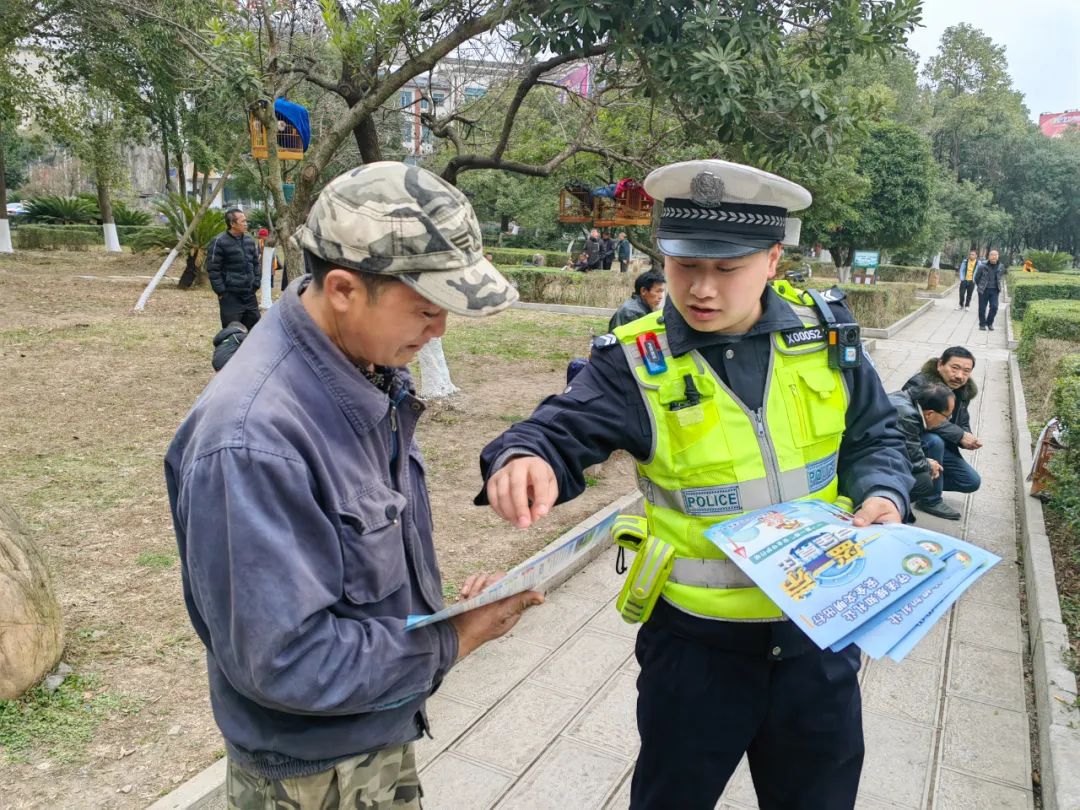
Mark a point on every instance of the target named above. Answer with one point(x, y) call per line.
point(544, 718)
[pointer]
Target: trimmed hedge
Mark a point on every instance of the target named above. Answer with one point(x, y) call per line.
point(542, 285)
point(1027, 287)
point(878, 306)
point(912, 275)
point(68, 237)
point(517, 256)
point(1059, 320)
point(1065, 466)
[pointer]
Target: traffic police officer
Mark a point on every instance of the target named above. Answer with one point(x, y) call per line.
point(743, 409)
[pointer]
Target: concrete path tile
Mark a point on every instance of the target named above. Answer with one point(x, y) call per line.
point(598, 581)
point(519, 728)
point(986, 741)
point(631, 665)
point(453, 783)
point(448, 718)
point(896, 767)
point(610, 720)
point(493, 670)
point(958, 791)
point(554, 621)
point(569, 775)
point(907, 691)
point(932, 647)
point(999, 586)
point(989, 625)
point(581, 665)
point(621, 799)
point(864, 802)
point(987, 675)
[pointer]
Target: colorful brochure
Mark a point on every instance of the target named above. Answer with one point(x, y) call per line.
point(963, 561)
point(825, 574)
point(526, 576)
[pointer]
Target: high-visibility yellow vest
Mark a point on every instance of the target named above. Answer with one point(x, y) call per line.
point(717, 459)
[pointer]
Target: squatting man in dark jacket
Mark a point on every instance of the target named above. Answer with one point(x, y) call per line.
point(301, 511)
point(920, 409)
point(944, 442)
point(648, 296)
point(232, 263)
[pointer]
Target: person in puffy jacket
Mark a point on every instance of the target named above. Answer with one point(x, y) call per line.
point(232, 264)
point(226, 342)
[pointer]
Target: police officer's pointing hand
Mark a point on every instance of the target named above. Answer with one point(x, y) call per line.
point(523, 491)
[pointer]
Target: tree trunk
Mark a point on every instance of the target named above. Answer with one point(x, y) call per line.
point(181, 183)
point(435, 379)
point(5, 228)
point(112, 241)
point(367, 139)
point(31, 629)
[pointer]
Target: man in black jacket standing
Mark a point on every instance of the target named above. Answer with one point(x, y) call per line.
point(989, 280)
point(233, 266)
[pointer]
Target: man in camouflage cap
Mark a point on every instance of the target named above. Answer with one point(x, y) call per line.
point(301, 511)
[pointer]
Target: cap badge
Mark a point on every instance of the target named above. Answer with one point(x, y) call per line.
point(707, 190)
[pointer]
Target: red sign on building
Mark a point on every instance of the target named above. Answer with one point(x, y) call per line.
point(1053, 124)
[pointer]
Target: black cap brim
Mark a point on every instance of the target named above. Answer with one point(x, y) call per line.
point(710, 248)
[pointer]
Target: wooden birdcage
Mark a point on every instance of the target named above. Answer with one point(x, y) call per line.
point(631, 207)
point(290, 146)
point(573, 206)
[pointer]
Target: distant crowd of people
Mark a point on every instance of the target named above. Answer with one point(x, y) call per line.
point(601, 251)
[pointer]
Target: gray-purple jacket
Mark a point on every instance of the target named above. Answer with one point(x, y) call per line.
point(305, 541)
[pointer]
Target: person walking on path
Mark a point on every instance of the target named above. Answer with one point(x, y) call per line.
point(622, 250)
point(301, 511)
point(232, 264)
point(967, 279)
point(727, 400)
point(989, 281)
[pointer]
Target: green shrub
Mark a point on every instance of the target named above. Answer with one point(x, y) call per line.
point(1027, 287)
point(60, 210)
point(517, 256)
point(880, 305)
point(125, 216)
point(55, 237)
point(1049, 261)
point(907, 274)
point(1059, 320)
point(178, 211)
point(1065, 466)
point(542, 285)
point(69, 237)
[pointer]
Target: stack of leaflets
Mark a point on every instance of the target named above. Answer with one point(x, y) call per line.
point(880, 587)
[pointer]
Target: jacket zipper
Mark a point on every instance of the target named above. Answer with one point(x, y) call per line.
point(772, 472)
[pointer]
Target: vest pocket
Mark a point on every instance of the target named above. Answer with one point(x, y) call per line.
point(814, 400)
point(373, 547)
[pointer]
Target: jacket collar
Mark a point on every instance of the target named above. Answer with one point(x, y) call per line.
point(776, 315)
point(362, 403)
point(965, 392)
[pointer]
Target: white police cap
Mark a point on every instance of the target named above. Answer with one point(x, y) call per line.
point(720, 210)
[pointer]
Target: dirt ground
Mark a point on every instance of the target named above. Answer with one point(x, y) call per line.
point(90, 397)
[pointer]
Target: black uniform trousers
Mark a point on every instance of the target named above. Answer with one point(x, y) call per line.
point(239, 306)
point(709, 691)
point(966, 288)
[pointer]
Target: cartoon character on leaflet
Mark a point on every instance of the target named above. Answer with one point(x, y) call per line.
point(829, 559)
point(778, 520)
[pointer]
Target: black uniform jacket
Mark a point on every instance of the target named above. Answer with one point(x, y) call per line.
point(602, 410)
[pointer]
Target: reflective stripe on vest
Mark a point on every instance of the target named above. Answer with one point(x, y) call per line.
point(716, 459)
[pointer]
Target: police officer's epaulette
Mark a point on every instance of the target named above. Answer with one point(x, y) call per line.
point(604, 341)
point(834, 294)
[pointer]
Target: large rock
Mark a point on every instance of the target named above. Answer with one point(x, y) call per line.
point(31, 631)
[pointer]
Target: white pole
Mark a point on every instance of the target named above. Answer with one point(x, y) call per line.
point(267, 279)
point(5, 236)
point(112, 241)
point(160, 274)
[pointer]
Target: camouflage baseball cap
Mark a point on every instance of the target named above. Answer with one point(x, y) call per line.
point(404, 221)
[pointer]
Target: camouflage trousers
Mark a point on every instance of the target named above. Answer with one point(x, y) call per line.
point(377, 781)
